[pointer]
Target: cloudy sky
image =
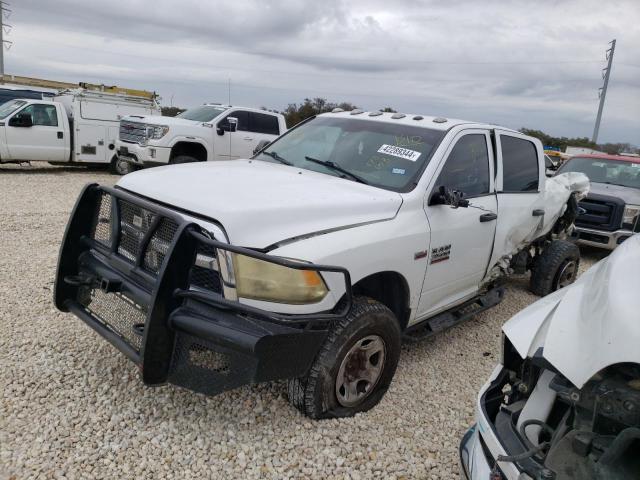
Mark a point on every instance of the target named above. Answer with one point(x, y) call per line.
point(516, 63)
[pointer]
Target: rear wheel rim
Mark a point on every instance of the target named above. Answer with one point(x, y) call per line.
point(360, 370)
point(567, 274)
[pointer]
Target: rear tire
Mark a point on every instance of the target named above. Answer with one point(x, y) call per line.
point(119, 166)
point(555, 268)
point(178, 159)
point(354, 367)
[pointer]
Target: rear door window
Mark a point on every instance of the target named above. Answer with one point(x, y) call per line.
point(519, 165)
point(263, 123)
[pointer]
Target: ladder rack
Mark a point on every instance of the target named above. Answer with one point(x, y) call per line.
point(55, 85)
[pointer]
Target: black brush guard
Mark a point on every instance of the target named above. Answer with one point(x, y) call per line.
point(176, 334)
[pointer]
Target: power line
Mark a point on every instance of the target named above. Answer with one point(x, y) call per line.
point(603, 90)
point(4, 13)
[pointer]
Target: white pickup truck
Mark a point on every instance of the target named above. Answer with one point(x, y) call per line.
point(75, 126)
point(313, 260)
point(197, 135)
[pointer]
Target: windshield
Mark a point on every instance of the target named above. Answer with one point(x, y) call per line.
point(9, 107)
point(600, 170)
point(205, 113)
point(373, 152)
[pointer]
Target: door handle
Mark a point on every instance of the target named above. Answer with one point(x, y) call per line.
point(488, 217)
point(538, 212)
point(60, 134)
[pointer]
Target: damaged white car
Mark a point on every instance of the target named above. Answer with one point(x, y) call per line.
point(564, 403)
point(311, 261)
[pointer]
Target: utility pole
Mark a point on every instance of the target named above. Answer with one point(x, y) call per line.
point(602, 93)
point(5, 12)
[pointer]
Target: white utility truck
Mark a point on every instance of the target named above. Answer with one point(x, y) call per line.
point(315, 258)
point(77, 126)
point(208, 132)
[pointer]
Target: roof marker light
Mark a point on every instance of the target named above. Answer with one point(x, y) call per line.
point(440, 120)
point(397, 116)
point(375, 114)
point(418, 117)
point(337, 110)
point(356, 111)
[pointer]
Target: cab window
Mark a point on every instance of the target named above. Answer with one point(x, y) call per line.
point(263, 123)
point(467, 167)
point(243, 121)
point(42, 115)
point(519, 165)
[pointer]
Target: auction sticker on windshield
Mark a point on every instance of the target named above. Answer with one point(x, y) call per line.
point(400, 152)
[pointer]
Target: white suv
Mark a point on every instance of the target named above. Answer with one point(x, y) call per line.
point(198, 134)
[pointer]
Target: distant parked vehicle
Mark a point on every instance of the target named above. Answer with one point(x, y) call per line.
point(611, 212)
point(208, 132)
point(75, 126)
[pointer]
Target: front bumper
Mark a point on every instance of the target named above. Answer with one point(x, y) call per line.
point(600, 238)
point(143, 155)
point(473, 460)
point(149, 305)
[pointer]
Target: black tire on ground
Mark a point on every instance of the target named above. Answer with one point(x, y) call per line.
point(182, 159)
point(370, 326)
point(555, 268)
point(120, 166)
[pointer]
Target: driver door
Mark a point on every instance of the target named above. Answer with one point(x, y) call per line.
point(461, 238)
point(238, 144)
point(44, 140)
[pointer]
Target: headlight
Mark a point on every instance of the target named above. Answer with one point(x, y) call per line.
point(156, 132)
point(260, 280)
point(630, 216)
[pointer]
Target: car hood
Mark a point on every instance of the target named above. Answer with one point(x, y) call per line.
point(627, 194)
point(590, 325)
point(260, 203)
point(160, 120)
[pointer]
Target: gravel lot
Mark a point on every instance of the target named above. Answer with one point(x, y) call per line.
point(71, 406)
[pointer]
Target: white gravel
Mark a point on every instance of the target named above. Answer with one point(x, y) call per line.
point(71, 406)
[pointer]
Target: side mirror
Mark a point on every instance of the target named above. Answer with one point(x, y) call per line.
point(21, 120)
point(262, 144)
point(447, 196)
point(233, 123)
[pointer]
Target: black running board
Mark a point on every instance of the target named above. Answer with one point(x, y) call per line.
point(452, 317)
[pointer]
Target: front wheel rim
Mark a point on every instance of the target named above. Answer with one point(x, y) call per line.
point(360, 370)
point(567, 274)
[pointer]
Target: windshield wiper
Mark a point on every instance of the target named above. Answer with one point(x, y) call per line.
point(277, 157)
point(612, 183)
point(337, 168)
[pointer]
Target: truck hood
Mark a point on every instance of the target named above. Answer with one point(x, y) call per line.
point(589, 325)
point(627, 194)
point(160, 120)
point(261, 203)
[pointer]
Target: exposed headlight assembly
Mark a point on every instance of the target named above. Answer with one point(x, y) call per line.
point(259, 280)
point(630, 216)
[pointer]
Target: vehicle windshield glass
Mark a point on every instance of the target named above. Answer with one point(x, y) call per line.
point(9, 107)
point(600, 170)
point(382, 154)
point(205, 113)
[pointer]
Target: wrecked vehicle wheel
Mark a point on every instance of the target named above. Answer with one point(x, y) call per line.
point(355, 365)
point(555, 268)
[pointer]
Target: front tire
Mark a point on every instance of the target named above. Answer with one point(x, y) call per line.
point(556, 268)
point(354, 367)
point(120, 167)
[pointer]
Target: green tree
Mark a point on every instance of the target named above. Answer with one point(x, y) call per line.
point(171, 111)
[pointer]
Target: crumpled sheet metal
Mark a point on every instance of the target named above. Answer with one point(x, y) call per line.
point(554, 201)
